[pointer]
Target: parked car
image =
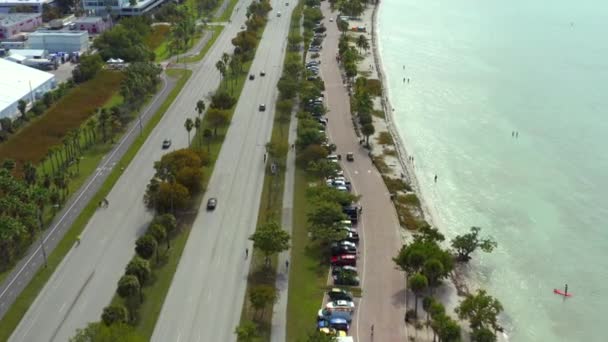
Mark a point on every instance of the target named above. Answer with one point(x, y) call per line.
point(341, 304)
point(333, 332)
point(347, 279)
point(337, 293)
point(352, 238)
point(344, 259)
point(327, 314)
point(166, 144)
point(341, 250)
point(262, 107)
point(346, 269)
point(349, 247)
point(333, 158)
point(339, 324)
point(211, 203)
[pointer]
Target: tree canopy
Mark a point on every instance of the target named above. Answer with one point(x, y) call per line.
point(464, 245)
point(271, 239)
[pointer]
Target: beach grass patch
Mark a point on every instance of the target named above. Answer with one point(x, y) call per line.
point(389, 152)
point(385, 138)
point(374, 86)
point(378, 113)
point(395, 185)
point(409, 199)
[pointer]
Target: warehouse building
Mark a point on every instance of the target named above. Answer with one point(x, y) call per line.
point(15, 23)
point(59, 41)
point(19, 82)
point(93, 25)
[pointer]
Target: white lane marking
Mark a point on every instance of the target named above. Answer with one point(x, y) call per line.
point(78, 198)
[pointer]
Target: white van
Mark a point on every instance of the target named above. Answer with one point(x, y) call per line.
point(278, 14)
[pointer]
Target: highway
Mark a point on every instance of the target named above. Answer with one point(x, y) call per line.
point(205, 299)
point(85, 281)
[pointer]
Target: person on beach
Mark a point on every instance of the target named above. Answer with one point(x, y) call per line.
point(408, 81)
point(566, 289)
point(435, 178)
point(516, 135)
point(404, 80)
point(512, 134)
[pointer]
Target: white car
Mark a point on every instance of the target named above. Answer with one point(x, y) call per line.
point(331, 20)
point(341, 188)
point(333, 158)
point(341, 304)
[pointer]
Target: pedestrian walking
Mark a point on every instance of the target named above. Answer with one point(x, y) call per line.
point(293, 146)
point(287, 264)
point(264, 157)
point(78, 243)
point(372, 329)
point(246, 253)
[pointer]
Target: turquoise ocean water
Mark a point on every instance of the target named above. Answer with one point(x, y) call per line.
point(478, 71)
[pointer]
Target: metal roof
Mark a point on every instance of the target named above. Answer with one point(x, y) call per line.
point(17, 80)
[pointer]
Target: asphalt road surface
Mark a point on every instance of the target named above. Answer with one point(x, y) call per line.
point(383, 302)
point(85, 281)
point(207, 293)
point(30, 263)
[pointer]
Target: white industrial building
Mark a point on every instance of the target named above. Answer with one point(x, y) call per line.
point(120, 7)
point(19, 82)
point(59, 41)
point(35, 5)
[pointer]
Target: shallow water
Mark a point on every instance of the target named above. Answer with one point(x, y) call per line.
point(478, 71)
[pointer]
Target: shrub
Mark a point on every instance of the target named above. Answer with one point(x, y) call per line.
point(222, 100)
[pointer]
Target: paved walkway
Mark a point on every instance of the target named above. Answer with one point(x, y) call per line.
point(383, 301)
point(29, 265)
point(279, 315)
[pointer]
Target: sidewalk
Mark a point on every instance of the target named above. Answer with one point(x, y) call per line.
point(279, 315)
point(30, 263)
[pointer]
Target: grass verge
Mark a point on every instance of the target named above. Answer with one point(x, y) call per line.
point(27, 296)
point(227, 12)
point(215, 33)
point(308, 277)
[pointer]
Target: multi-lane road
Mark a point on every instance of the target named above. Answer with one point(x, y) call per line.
point(86, 279)
point(207, 293)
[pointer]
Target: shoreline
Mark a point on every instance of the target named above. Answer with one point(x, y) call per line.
point(457, 286)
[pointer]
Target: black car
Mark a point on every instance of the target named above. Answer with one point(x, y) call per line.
point(339, 248)
point(339, 294)
point(166, 144)
point(339, 269)
point(262, 107)
point(211, 203)
point(346, 279)
point(262, 73)
point(251, 76)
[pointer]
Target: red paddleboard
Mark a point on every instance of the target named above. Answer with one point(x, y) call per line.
point(562, 293)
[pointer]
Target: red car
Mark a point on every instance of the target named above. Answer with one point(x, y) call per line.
point(344, 260)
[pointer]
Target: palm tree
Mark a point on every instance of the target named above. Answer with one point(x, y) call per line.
point(221, 67)
point(362, 43)
point(197, 125)
point(189, 124)
point(91, 124)
point(200, 107)
point(418, 283)
point(104, 118)
point(29, 173)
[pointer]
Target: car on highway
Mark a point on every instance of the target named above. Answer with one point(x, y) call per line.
point(343, 260)
point(278, 14)
point(262, 73)
point(262, 107)
point(341, 304)
point(166, 144)
point(242, 27)
point(337, 293)
point(212, 203)
point(346, 279)
point(350, 156)
point(331, 20)
point(251, 76)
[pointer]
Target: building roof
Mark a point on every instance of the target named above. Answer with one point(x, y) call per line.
point(84, 20)
point(58, 33)
point(13, 18)
point(27, 52)
point(16, 80)
point(24, 2)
